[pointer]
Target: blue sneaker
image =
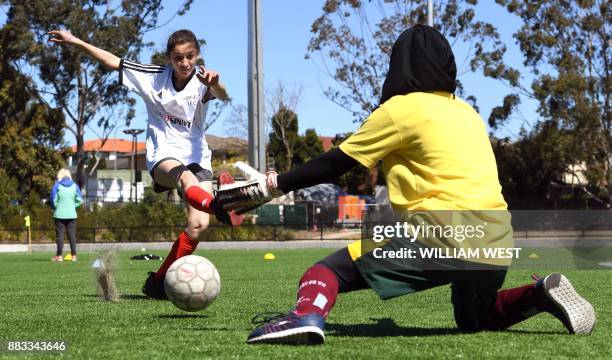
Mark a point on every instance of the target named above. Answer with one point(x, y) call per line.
point(288, 328)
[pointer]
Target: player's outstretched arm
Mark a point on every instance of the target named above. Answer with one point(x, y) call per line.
point(319, 170)
point(110, 61)
point(260, 188)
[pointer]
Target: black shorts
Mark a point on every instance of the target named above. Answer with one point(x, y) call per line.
point(200, 173)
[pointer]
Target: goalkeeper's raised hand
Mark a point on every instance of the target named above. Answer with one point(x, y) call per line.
point(261, 188)
point(247, 195)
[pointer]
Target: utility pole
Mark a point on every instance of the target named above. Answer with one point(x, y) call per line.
point(257, 139)
point(134, 133)
point(430, 13)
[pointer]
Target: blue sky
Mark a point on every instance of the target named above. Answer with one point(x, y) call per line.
point(286, 33)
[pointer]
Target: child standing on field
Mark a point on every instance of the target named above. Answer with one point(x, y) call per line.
point(177, 98)
point(65, 198)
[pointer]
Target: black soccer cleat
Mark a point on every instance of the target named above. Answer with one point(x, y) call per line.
point(154, 289)
point(576, 314)
point(288, 329)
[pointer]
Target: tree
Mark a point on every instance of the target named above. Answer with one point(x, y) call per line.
point(283, 139)
point(281, 119)
point(82, 88)
point(566, 48)
point(8, 194)
point(530, 164)
point(353, 41)
point(308, 146)
point(237, 123)
point(32, 132)
point(285, 146)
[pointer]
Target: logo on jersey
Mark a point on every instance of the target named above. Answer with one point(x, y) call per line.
point(191, 100)
point(176, 121)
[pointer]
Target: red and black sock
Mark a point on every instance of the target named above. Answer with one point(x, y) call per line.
point(183, 246)
point(317, 291)
point(515, 305)
point(199, 198)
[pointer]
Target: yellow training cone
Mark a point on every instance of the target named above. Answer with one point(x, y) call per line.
point(269, 256)
point(534, 256)
point(68, 257)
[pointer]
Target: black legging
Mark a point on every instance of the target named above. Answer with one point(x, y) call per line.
point(349, 278)
point(61, 225)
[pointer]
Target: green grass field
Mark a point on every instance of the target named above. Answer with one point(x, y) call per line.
point(41, 300)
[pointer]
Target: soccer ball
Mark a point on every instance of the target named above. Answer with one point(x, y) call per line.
point(192, 283)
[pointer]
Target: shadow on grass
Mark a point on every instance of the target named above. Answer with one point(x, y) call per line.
point(123, 297)
point(530, 332)
point(181, 316)
point(387, 327)
point(384, 328)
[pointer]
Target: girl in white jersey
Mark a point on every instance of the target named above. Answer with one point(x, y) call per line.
point(176, 97)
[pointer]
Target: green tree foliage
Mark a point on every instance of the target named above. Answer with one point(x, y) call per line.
point(308, 147)
point(532, 163)
point(8, 194)
point(32, 132)
point(82, 88)
point(286, 147)
point(566, 47)
point(353, 41)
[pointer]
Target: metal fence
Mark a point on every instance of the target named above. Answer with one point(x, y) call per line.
point(318, 222)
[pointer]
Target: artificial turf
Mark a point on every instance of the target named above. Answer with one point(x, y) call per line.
point(41, 300)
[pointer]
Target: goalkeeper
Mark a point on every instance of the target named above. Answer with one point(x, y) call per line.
point(436, 155)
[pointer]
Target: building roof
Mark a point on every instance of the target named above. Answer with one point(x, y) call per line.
point(327, 142)
point(111, 145)
point(218, 143)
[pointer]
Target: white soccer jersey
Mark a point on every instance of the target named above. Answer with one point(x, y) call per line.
point(175, 126)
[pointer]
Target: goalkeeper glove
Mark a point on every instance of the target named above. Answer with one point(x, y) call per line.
point(247, 195)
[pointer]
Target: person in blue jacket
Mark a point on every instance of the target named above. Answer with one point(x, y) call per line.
point(65, 198)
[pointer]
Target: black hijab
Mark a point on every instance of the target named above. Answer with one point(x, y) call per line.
point(421, 60)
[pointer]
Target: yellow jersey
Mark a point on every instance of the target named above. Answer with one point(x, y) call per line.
point(438, 162)
point(435, 152)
